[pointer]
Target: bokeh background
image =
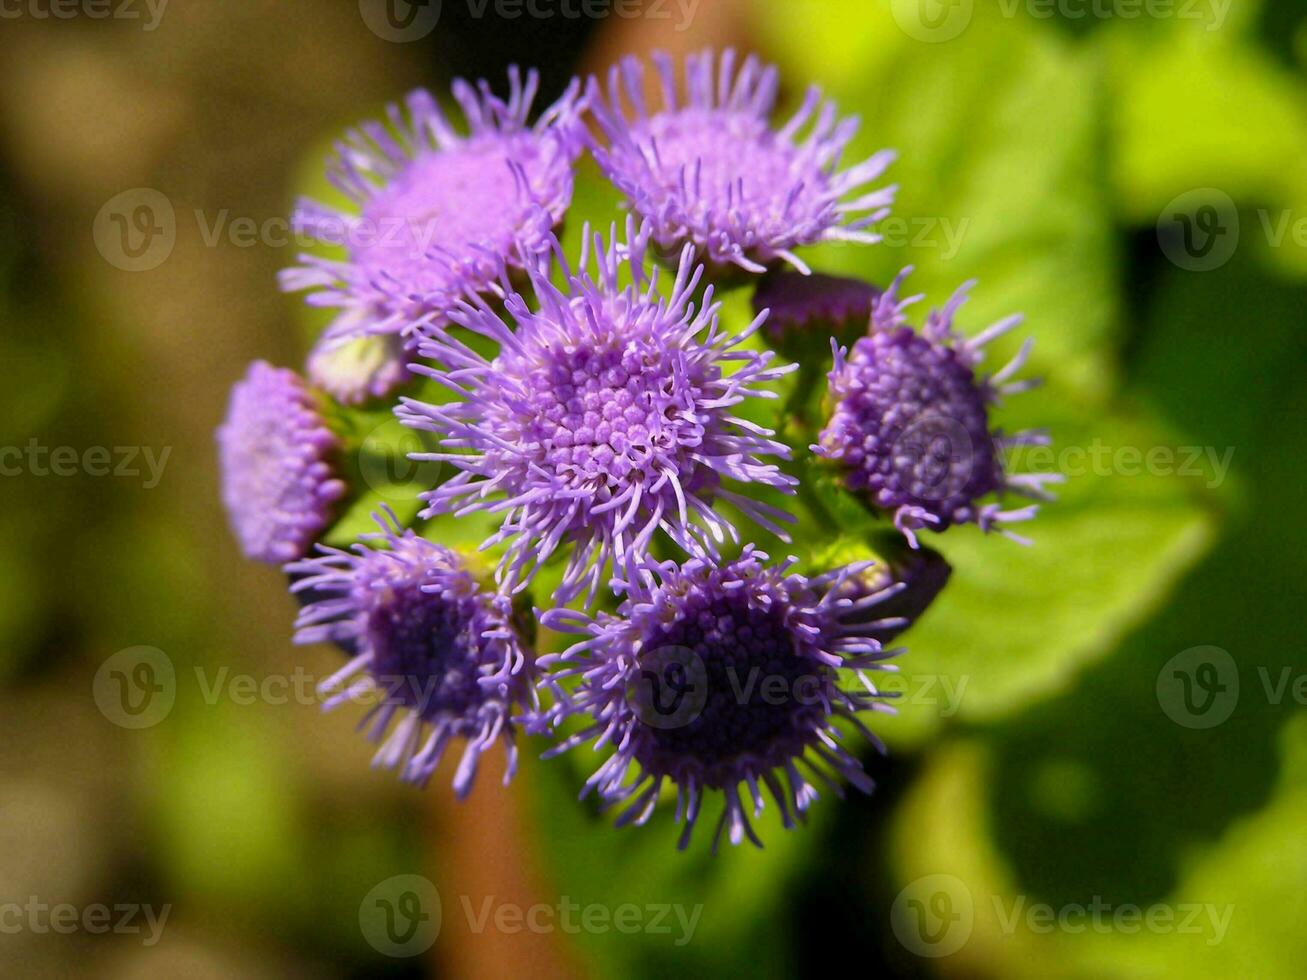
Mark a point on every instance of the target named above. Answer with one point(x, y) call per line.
point(1111, 720)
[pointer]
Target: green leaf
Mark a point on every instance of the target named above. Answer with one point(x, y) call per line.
point(1196, 109)
point(1244, 892)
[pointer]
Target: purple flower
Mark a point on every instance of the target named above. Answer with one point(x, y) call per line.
point(275, 457)
point(713, 171)
point(438, 210)
point(607, 414)
point(909, 582)
point(355, 370)
point(813, 307)
point(910, 426)
point(723, 678)
point(431, 646)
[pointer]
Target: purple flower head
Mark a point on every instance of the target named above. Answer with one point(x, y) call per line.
point(430, 645)
point(356, 370)
point(909, 582)
point(910, 426)
point(724, 678)
point(814, 306)
point(710, 169)
point(438, 210)
point(607, 414)
point(275, 458)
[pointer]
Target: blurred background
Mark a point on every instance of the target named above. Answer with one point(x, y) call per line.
point(1100, 763)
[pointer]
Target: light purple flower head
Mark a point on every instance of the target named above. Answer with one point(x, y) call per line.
point(355, 370)
point(608, 413)
point(438, 210)
point(275, 456)
point(727, 678)
point(711, 169)
point(910, 426)
point(429, 645)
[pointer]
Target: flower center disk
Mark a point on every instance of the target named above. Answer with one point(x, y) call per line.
point(425, 652)
point(724, 681)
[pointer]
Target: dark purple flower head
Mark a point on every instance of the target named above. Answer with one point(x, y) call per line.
point(710, 169)
point(430, 645)
point(437, 209)
point(910, 426)
point(275, 459)
point(909, 583)
point(814, 307)
point(355, 370)
point(723, 678)
point(609, 413)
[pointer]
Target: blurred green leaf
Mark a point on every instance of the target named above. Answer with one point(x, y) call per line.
point(1193, 109)
point(1243, 892)
point(227, 826)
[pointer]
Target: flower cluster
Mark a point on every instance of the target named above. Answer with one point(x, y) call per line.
point(623, 432)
